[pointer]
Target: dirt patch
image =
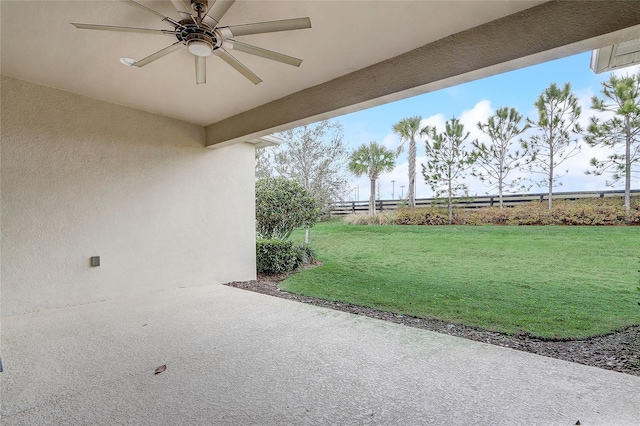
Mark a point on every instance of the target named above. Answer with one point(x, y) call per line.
point(618, 351)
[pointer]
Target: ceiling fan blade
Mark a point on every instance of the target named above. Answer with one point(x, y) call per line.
point(271, 26)
point(209, 21)
point(122, 29)
point(180, 5)
point(143, 7)
point(183, 9)
point(158, 14)
point(237, 65)
point(201, 69)
point(159, 54)
point(264, 53)
point(186, 16)
point(217, 11)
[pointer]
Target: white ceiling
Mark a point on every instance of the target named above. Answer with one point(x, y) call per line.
point(40, 45)
point(356, 55)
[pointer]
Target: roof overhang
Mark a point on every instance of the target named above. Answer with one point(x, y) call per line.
point(542, 33)
point(265, 141)
point(620, 55)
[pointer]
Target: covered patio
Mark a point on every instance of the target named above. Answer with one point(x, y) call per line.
point(127, 199)
point(237, 357)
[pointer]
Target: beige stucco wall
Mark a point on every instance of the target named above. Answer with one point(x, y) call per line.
point(81, 178)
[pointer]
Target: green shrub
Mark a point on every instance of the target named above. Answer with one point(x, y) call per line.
point(422, 216)
point(533, 213)
point(593, 212)
point(481, 216)
point(275, 256)
point(283, 205)
point(304, 254)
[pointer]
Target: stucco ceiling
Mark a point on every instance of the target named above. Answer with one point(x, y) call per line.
point(40, 45)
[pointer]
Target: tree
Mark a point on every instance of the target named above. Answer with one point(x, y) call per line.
point(620, 132)
point(497, 160)
point(283, 205)
point(315, 156)
point(408, 129)
point(371, 160)
point(264, 167)
point(557, 124)
point(447, 160)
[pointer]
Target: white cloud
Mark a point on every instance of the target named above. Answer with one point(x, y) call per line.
point(391, 141)
point(469, 119)
point(436, 121)
point(479, 113)
point(623, 72)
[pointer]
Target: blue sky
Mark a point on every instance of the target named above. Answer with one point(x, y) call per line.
point(473, 102)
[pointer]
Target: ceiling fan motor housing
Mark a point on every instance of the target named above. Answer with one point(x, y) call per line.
point(201, 40)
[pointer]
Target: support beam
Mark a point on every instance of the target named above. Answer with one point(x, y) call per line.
point(545, 32)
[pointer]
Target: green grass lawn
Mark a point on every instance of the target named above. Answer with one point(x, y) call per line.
point(553, 281)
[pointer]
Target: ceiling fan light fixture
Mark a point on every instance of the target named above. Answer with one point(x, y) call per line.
point(199, 47)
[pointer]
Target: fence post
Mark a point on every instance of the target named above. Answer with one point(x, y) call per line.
point(542, 198)
point(353, 207)
point(602, 194)
point(491, 201)
point(380, 205)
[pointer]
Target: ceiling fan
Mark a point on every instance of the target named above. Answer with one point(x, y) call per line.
point(198, 29)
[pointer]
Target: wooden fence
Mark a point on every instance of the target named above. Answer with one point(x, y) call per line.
point(510, 200)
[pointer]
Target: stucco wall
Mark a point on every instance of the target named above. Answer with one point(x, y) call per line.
point(81, 178)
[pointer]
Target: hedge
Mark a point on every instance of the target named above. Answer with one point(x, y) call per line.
point(278, 256)
point(596, 212)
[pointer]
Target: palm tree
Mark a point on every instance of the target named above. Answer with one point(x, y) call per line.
point(407, 129)
point(372, 160)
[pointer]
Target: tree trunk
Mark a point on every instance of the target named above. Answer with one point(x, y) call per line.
point(306, 235)
point(450, 200)
point(500, 192)
point(550, 180)
point(372, 197)
point(412, 173)
point(627, 171)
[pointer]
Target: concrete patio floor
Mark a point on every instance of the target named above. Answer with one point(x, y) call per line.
point(236, 357)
